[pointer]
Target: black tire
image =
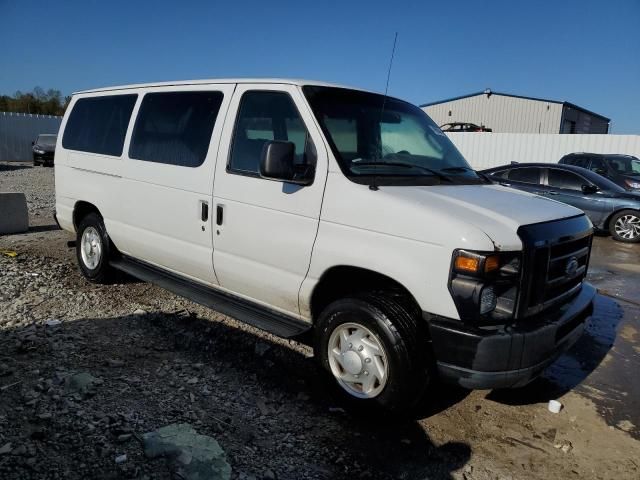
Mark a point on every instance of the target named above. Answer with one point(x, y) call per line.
point(102, 271)
point(634, 233)
point(402, 332)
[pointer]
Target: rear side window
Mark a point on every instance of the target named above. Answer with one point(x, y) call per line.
point(265, 116)
point(566, 180)
point(175, 127)
point(577, 161)
point(525, 175)
point(598, 165)
point(99, 124)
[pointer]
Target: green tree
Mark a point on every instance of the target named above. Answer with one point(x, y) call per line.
point(50, 102)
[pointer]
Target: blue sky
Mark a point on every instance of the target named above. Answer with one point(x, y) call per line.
point(586, 52)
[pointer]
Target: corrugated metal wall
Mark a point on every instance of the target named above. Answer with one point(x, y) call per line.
point(18, 130)
point(501, 113)
point(485, 150)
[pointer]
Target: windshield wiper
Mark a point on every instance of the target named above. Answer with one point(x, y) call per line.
point(466, 169)
point(406, 165)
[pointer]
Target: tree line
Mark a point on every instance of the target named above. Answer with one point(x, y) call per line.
point(51, 102)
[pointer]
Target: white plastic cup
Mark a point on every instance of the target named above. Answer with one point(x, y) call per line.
point(555, 406)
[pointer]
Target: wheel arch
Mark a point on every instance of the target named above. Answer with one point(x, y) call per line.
point(607, 222)
point(342, 280)
point(81, 209)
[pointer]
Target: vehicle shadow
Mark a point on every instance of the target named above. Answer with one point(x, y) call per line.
point(8, 167)
point(575, 365)
point(263, 394)
point(43, 228)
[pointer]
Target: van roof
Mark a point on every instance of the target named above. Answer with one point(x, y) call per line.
point(289, 81)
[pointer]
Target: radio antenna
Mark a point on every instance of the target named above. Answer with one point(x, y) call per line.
point(374, 184)
point(386, 88)
point(393, 51)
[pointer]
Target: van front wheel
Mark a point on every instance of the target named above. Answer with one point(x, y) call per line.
point(93, 249)
point(375, 349)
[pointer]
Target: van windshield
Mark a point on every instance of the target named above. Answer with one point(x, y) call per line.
point(386, 141)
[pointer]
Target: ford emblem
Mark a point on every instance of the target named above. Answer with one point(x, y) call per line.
point(572, 267)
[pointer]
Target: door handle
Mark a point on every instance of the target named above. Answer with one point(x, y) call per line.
point(204, 210)
point(219, 214)
point(505, 184)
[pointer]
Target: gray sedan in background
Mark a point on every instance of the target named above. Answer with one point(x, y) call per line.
point(610, 207)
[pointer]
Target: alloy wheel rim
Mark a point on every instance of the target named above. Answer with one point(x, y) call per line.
point(358, 360)
point(628, 227)
point(91, 248)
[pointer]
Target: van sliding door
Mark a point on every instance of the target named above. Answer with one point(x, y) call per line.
point(168, 177)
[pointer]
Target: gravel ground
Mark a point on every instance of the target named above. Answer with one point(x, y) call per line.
point(150, 359)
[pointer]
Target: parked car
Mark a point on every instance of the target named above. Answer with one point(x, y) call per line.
point(44, 148)
point(306, 208)
point(464, 127)
point(623, 170)
point(610, 207)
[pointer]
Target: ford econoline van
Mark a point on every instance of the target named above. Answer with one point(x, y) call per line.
point(307, 208)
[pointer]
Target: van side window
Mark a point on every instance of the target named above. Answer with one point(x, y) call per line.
point(99, 124)
point(265, 116)
point(175, 127)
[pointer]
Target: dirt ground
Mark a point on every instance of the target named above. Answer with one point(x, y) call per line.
point(157, 359)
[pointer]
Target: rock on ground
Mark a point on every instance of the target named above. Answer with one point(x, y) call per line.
point(192, 456)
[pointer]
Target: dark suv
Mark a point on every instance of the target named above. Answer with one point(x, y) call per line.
point(623, 170)
point(44, 149)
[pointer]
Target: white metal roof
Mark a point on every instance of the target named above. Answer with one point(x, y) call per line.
point(289, 81)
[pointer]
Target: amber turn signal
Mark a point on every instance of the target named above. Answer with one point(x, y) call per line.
point(491, 263)
point(467, 264)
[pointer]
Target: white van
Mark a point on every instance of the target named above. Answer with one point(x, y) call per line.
point(303, 207)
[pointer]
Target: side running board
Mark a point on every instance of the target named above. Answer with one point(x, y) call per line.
point(240, 309)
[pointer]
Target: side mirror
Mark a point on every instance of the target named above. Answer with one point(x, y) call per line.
point(589, 189)
point(277, 162)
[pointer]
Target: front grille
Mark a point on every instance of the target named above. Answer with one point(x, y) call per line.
point(556, 260)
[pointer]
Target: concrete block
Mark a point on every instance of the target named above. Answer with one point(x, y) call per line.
point(14, 216)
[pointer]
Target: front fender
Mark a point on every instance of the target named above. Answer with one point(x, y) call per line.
point(421, 268)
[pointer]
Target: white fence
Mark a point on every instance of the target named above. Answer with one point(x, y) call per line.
point(18, 130)
point(486, 150)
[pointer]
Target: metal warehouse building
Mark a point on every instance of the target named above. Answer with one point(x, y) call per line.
point(506, 113)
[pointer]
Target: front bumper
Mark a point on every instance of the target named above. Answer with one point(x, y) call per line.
point(45, 157)
point(511, 356)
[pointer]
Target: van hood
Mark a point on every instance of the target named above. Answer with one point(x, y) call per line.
point(495, 210)
point(476, 217)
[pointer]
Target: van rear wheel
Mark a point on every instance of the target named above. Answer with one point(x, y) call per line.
point(93, 249)
point(375, 349)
